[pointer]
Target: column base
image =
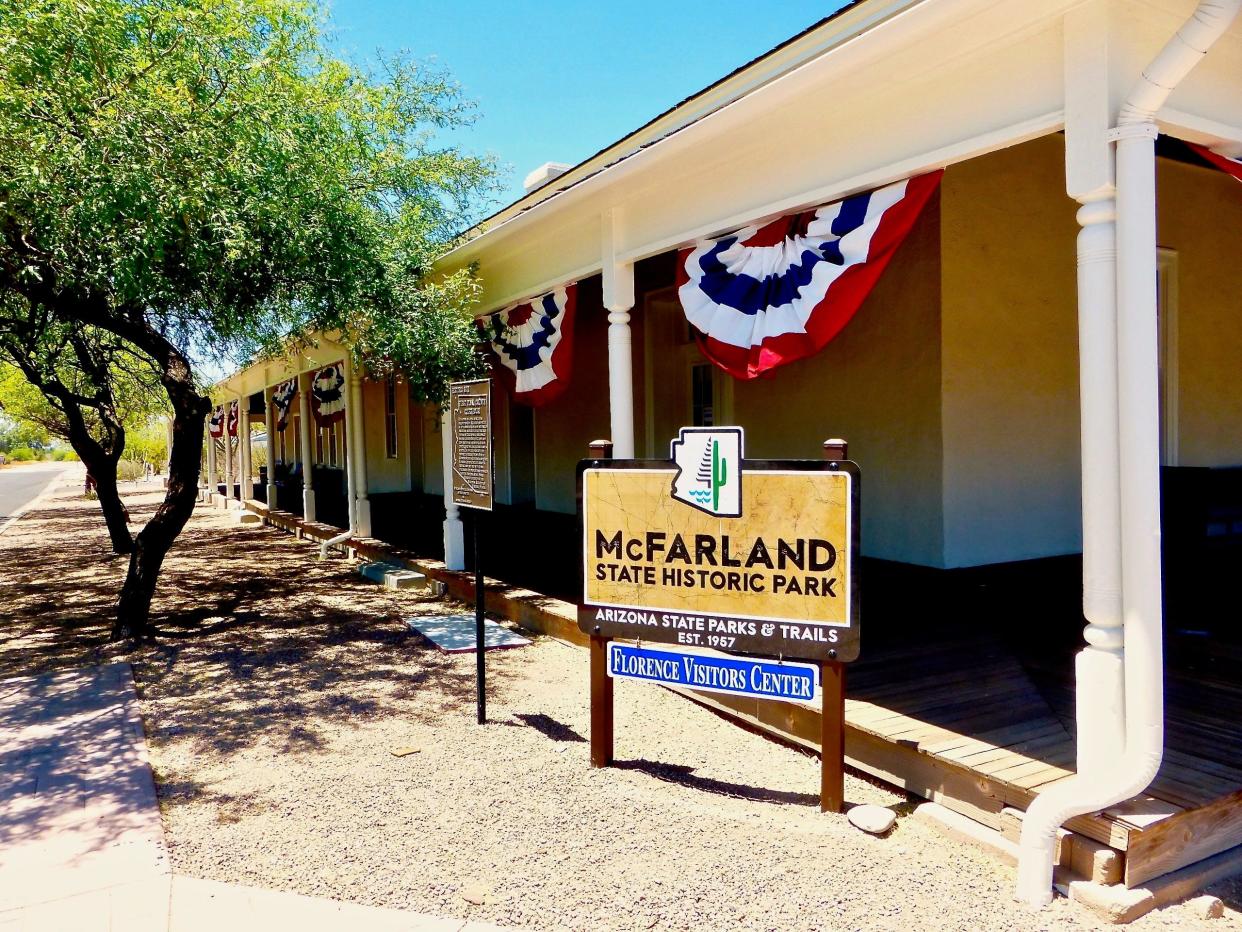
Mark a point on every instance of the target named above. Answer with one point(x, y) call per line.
point(308, 504)
point(454, 544)
point(271, 497)
point(362, 517)
point(1100, 708)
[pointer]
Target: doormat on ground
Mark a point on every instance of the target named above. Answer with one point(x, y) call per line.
point(454, 634)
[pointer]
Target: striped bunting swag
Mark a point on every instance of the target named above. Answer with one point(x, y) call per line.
point(768, 295)
point(234, 418)
point(282, 401)
point(328, 394)
point(215, 426)
point(534, 343)
point(1224, 162)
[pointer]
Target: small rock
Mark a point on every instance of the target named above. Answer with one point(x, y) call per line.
point(404, 751)
point(478, 894)
point(874, 819)
point(1206, 907)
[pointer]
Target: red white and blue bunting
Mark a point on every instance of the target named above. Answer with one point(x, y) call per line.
point(534, 343)
point(282, 401)
point(1224, 162)
point(328, 394)
point(768, 295)
point(215, 426)
point(234, 418)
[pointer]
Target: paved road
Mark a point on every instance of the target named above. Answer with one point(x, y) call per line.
point(20, 485)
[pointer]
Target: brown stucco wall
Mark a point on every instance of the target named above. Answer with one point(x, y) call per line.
point(1010, 358)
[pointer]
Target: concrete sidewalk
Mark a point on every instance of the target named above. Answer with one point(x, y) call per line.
point(81, 843)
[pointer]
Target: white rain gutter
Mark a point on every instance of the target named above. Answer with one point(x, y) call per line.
point(351, 505)
point(1139, 443)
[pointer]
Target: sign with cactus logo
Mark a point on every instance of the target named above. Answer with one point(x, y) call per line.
point(708, 549)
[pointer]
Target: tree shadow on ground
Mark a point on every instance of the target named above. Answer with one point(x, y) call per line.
point(258, 642)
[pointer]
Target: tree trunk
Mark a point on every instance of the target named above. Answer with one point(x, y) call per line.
point(133, 617)
point(116, 515)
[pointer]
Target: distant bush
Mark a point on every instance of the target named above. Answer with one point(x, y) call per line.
point(128, 470)
point(64, 455)
point(22, 455)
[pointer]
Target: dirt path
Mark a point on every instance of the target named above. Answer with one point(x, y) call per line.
point(281, 686)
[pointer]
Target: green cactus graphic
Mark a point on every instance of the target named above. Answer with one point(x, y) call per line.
point(720, 474)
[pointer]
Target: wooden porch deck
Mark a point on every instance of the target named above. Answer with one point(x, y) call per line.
point(974, 725)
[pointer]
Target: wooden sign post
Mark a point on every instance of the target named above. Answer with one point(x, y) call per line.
point(745, 567)
point(471, 417)
point(601, 682)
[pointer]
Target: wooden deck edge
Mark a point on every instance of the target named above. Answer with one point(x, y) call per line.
point(525, 607)
point(1184, 839)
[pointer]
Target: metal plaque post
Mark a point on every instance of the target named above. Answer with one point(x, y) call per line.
point(472, 479)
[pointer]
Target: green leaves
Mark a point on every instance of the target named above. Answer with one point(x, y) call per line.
point(207, 162)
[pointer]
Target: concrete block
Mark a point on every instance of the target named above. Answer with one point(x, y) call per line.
point(392, 576)
point(1114, 904)
point(247, 517)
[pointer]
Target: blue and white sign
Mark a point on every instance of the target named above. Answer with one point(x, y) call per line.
point(737, 676)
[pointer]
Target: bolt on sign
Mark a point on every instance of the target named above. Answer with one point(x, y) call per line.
point(711, 550)
point(470, 404)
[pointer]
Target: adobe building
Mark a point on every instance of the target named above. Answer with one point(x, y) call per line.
point(1029, 335)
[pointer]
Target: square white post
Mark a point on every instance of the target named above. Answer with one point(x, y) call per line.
point(304, 438)
point(454, 530)
point(356, 434)
point(270, 422)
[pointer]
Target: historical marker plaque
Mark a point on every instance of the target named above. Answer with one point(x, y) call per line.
point(471, 407)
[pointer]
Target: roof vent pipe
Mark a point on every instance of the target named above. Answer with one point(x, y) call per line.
point(1138, 429)
point(543, 174)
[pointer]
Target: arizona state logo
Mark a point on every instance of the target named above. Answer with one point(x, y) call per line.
point(709, 469)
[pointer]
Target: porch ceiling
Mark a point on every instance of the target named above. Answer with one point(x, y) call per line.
point(932, 84)
point(320, 349)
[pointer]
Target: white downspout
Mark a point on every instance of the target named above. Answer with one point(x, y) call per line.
point(1139, 447)
point(351, 428)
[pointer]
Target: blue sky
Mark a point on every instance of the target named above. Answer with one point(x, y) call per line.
point(556, 81)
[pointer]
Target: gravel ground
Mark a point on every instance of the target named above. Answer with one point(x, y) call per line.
point(281, 686)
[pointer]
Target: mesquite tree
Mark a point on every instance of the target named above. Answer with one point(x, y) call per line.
point(202, 180)
point(82, 385)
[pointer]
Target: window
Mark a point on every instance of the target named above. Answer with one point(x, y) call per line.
point(390, 417)
point(326, 441)
point(702, 413)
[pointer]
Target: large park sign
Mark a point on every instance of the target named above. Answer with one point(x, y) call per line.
point(722, 556)
point(710, 550)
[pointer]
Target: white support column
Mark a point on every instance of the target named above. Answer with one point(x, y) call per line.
point(348, 447)
point(168, 426)
point(454, 530)
point(1099, 667)
point(211, 466)
point(269, 421)
point(228, 461)
point(1090, 179)
point(618, 287)
point(247, 474)
point(357, 435)
point(304, 440)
